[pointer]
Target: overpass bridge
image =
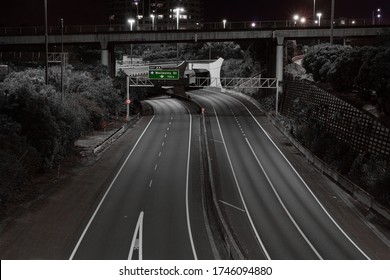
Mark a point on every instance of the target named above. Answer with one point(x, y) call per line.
point(108, 37)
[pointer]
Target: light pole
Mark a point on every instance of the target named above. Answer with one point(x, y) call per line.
point(224, 23)
point(378, 15)
point(46, 47)
point(62, 59)
point(131, 21)
point(314, 9)
point(319, 15)
point(178, 10)
point(152, 16)
point(331, 22)
point(136, 3)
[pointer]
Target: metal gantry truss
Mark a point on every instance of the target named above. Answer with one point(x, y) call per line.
point(229, 83)
point(235, 83)
point(140, 82)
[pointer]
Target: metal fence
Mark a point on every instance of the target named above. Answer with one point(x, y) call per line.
point(363, 131)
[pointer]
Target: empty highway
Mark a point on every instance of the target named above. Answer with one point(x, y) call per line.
point(270, 209)
point(152, 208)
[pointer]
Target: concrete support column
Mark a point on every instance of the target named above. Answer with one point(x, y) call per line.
point(279, 60)
point(108, 56)
point(279, 71)
point(104, 56)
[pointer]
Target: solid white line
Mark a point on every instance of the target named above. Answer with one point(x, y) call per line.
point(307, 187)
point(187, 187)
point(283, 205)
point(231, 205)
point(239, 190)
point(108, 190)
point(138, 231)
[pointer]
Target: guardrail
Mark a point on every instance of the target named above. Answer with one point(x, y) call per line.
point(234, 25)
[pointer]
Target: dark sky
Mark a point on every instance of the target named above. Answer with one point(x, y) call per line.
point(30, 12)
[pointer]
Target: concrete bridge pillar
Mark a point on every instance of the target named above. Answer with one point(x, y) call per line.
point(279, 62)
point(104, 57)
point(108, 57)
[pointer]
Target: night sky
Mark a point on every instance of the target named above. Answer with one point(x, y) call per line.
point(74, 12)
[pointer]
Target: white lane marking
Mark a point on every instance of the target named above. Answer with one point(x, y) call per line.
point(108, 190)
point(159, 154)
point(304, 183)
point(137, 232)
point(231, 205)
point(165, 136)
point(167, 128)
point(155, 167)
point(162, 144)
point(150, 183)
point(187, 187)
point(281, 203)
point(239, 190)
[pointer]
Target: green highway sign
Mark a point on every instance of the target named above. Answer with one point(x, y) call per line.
point(163, 74)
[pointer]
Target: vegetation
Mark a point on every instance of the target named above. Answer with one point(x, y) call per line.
point(38, 126)
point(362, 71)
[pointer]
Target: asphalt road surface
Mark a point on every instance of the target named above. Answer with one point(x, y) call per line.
point(152, 208)
point(270, 209)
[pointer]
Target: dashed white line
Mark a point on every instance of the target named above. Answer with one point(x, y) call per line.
point(150, 183)
point(155, 167)
point(240, 193)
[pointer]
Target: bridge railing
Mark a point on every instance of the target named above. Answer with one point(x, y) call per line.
point(83, 29)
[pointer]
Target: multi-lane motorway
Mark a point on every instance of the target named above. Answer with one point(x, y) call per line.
point(153, 207)
point(273, 213)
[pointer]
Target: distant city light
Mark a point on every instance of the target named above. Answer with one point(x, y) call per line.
point(303, 20)
point(353, 22)
point(253, 24)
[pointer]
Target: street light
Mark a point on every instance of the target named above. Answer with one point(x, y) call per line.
point(131, 22)
point(378, 15)
point(152, 17)
point(224, 23)
point(295, 18)
point(319, 15)
point(303, 20)
point(253, 24)
point(178, 10)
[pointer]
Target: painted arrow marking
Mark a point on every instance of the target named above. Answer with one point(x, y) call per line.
point(136, 243)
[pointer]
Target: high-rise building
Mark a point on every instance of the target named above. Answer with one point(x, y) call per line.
point(160, 14)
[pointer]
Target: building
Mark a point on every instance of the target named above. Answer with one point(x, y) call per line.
point(156, 14)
